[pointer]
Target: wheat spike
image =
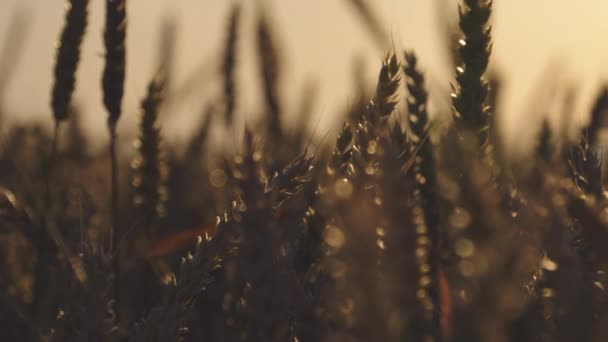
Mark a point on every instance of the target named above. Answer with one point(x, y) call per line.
point(68, 56)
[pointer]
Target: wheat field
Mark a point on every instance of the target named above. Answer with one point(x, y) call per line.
point(413, 220)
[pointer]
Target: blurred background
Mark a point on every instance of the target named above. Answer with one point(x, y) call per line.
point(556, 44)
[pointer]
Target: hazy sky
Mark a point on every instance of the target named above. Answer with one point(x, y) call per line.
point(319, 40)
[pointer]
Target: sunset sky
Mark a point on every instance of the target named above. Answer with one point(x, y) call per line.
point(320, 39)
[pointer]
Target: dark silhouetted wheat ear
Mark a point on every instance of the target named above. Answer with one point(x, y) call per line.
point(469, 99)
point(386, 92)
point(114, 71)
point(150, 167)
point(68, 56)
point(416, 100)
point(423, 171)
point(229, 64)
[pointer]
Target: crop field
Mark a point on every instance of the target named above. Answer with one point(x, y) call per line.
point(408, 222)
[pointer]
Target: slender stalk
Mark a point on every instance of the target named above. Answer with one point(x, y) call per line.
point(52, 160)
point(50, 239)
point(425, 182)
point(113, 89)
point(114, 187)
point(42, 270)
point(67, 59)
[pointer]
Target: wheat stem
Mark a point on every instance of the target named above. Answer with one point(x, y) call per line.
point(424, 179)
point(113, 88)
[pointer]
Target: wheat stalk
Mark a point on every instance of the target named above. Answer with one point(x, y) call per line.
point(113, 87)
point(68, 56)
point(424, 179)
